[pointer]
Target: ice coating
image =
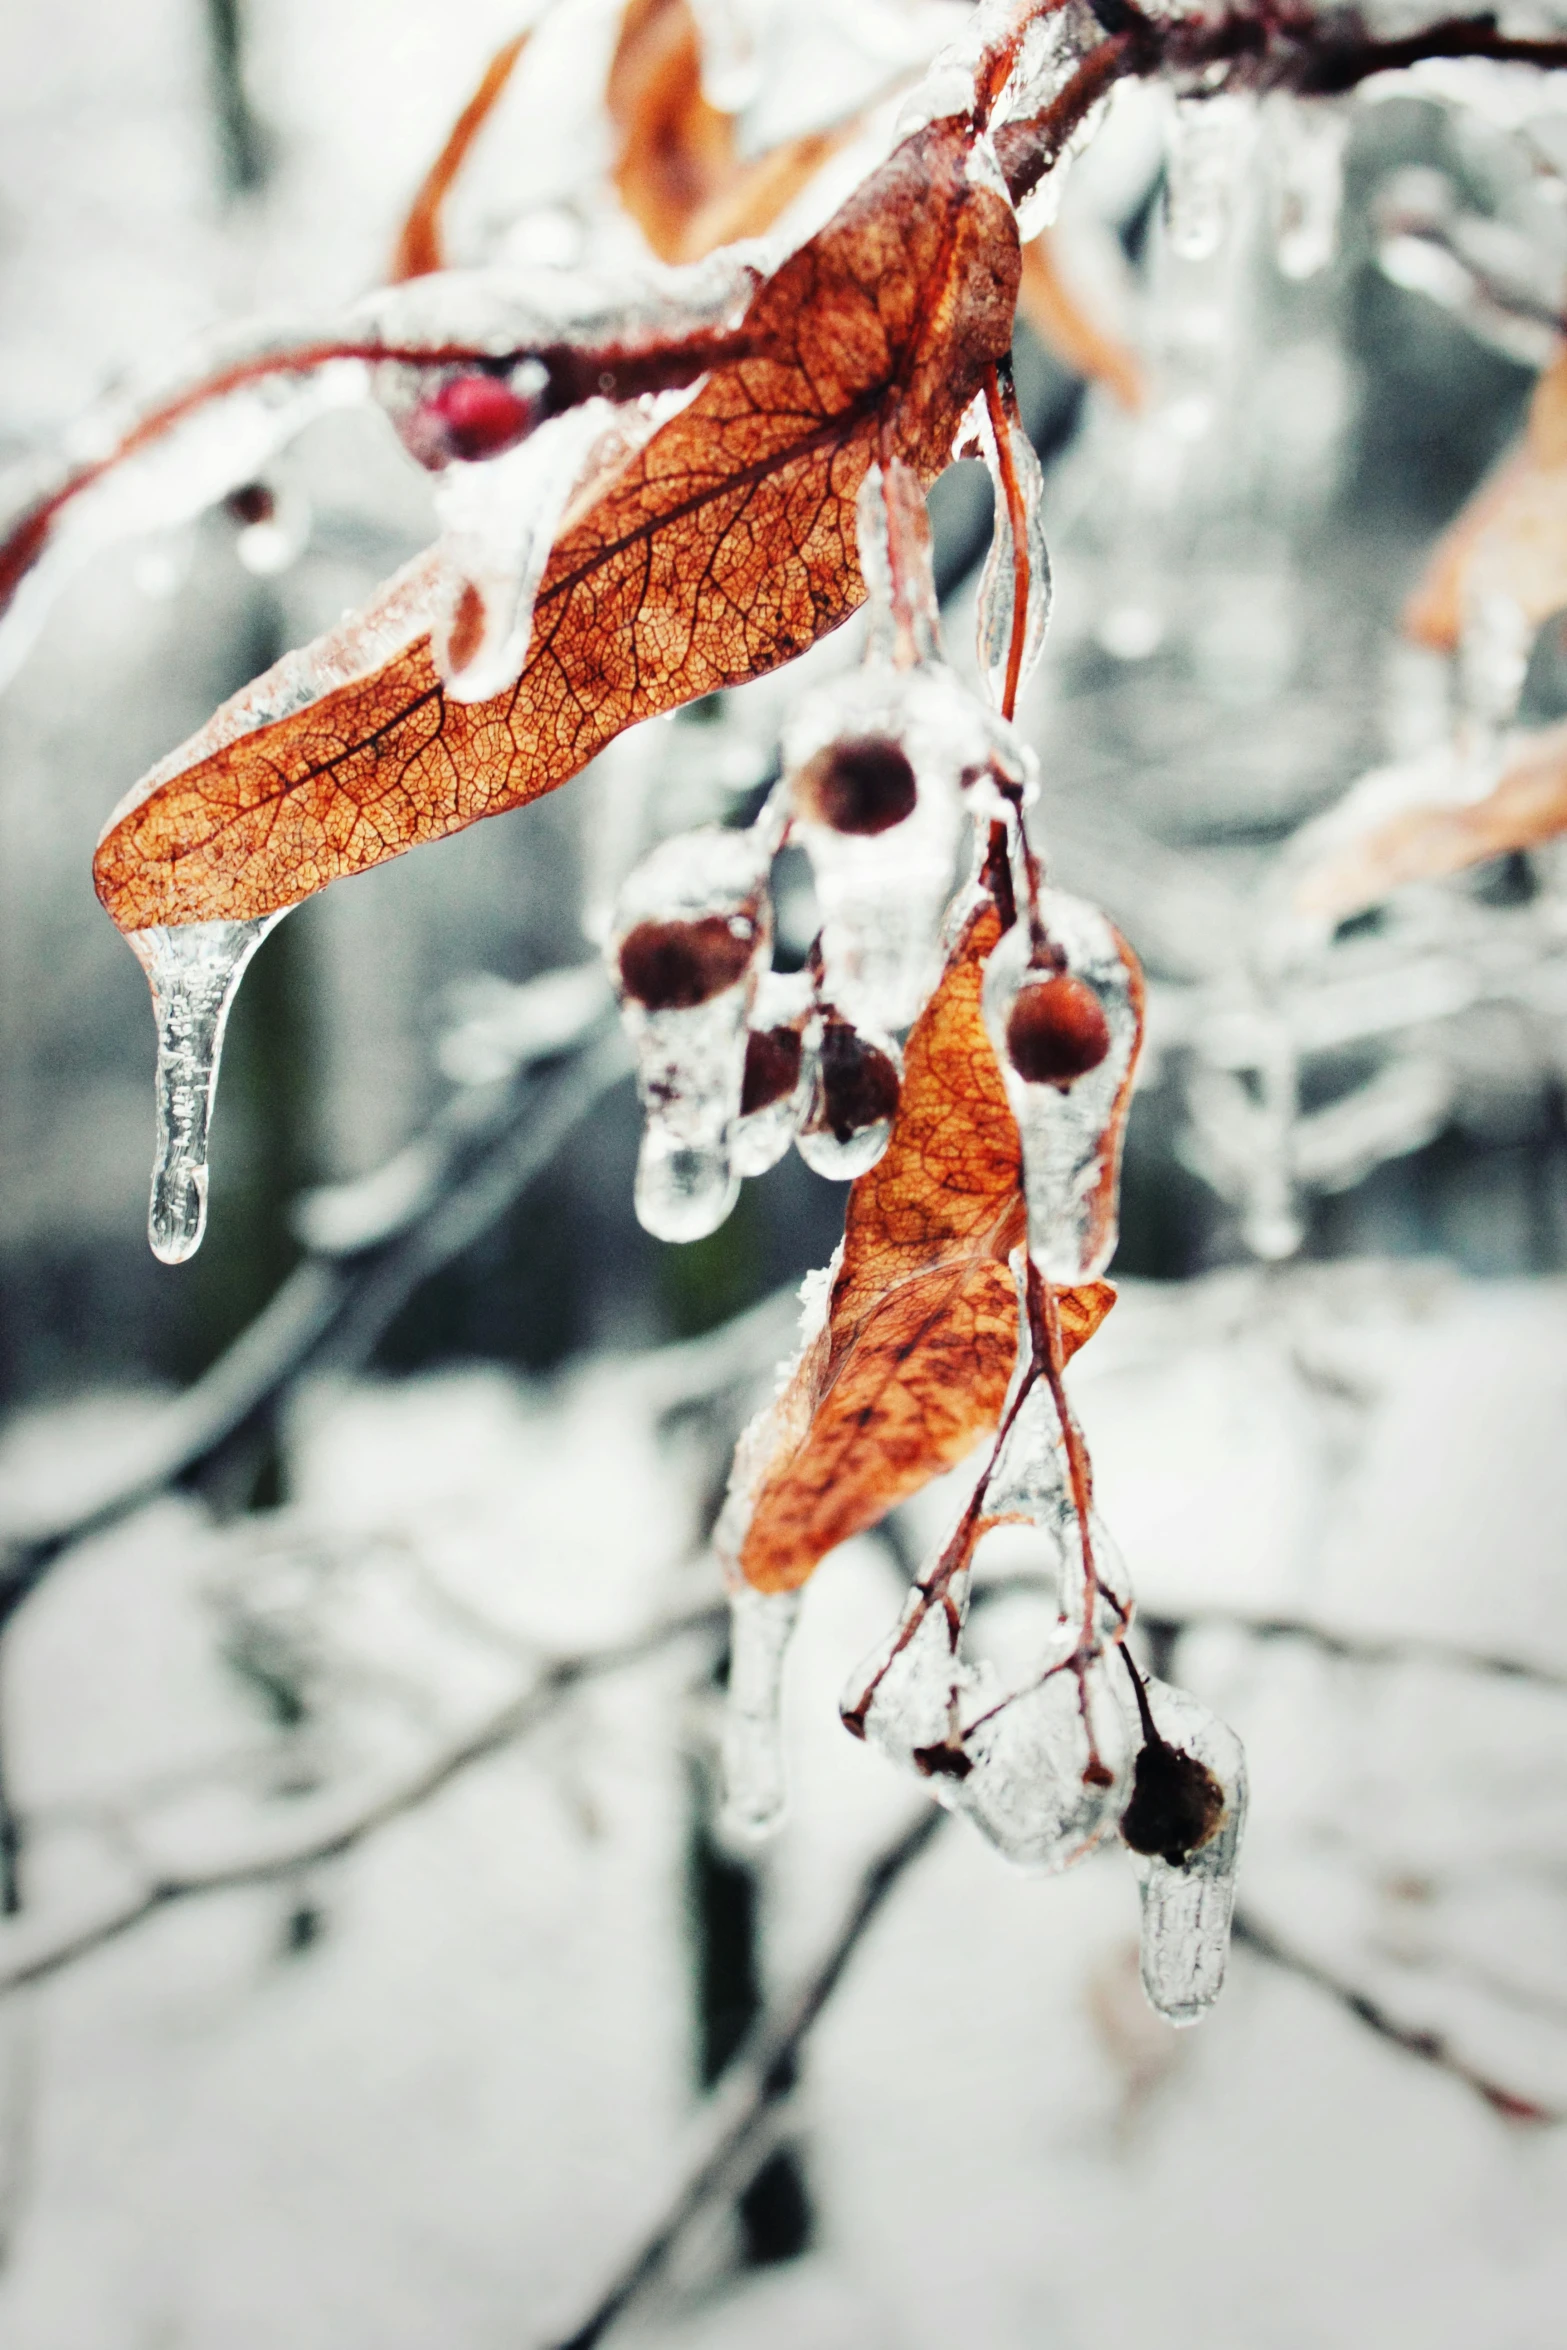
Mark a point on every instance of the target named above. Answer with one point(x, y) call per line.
point(1208, 147)
point(903, 1699)
point(1030, 1484)
point(194, 973)
point(998, 583)
point(499, 520)
point(874, 765)
point(855, 1077)
point(1070, 1130)
point(760, 1626)
point(690, 937)
point(1188, 1894)
point(1049, 1765)
point(1052, 48)
point(775, 1039)
point(1305, 146)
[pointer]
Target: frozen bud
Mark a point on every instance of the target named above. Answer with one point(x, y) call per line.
point(854, 1099)
point(863, 786)
point(689, 941)
point(1065, 1020)
point(472, 417)
point(1183, 1828)
point(775, 1085)
point(1056, 1030)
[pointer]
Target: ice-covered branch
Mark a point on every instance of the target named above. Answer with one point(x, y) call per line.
point(731, 2133)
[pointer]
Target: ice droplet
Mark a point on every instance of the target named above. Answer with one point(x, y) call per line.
point(1069, 1124)
point(690, 936)
point(194, 970)
point(760, 1626)
point(779, 1073)
point(1188, 1899)
point(1209, 144)
point(855, 1082)
point(499, 522)
point(998, 583)
point(1306, 144)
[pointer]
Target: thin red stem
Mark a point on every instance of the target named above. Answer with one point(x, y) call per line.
point(1017, 517)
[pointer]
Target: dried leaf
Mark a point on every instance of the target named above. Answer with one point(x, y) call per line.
point(1517, 519)
point(911, 1368)
point(677, 172)
point(419, 247)
point(723, 548)
point(1526, 808)
point(1069, 330)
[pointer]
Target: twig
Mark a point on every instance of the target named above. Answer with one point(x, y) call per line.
point(762, 2073)
point(1430, 2047)
point(334, 1309)
point(514, 1720)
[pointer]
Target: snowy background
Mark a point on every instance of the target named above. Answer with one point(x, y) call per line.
point(429, 2092)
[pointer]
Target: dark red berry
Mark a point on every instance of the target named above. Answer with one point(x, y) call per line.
point(472, 417)
point(865, 786)
point(674, 966)
point(1176, 1805)
point(253, 502)
point(1057, 1030)
point(859, 1082)
point(772, 1068)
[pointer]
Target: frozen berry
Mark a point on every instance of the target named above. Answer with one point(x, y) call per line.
point(252, 503)
point(772, 1068)
point(674, 966)
point(1176, 1805)
point(1057, 1031)
point(469, 416)
point(859, 1082)
point(865, 786)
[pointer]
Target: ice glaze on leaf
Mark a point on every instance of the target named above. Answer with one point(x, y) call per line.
point(912, 1367)
point(724, 547)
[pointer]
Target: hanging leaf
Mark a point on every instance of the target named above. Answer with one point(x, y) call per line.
point(911, 1367)
point(724, 547)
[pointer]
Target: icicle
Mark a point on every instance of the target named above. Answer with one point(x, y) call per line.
point(194, 971)
point(1306, 143)
point(1183, 1828)
point(1065, 1024)
point(855, 1083)
point(776, 1088)
point(691, 932)
point(998, 582)
point(499, 522)
point(1048, 1766)
point(1209, 146)
point(760, 1625)
point(874, 765)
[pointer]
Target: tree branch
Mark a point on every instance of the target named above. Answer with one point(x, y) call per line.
point(731, 2135)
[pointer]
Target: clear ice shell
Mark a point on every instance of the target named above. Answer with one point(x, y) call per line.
point(1071, 1139)
point(691, 1062)
point(998, 582)
point(499, 520)
point(904, 1694)
point(760, 1626)
point(818, 1146)
point(1031, 1485)
point(1186, 1911)
point(760, 1141)
point(194, 971)
point(1209, 142)
point(1026, 1788)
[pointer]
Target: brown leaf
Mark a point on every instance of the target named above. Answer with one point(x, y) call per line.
point(1517, 518)
point(1526, 808)
point(677, 172)
point(1067, 328)
point(722, 549)
point(419, 247)
point(911, 1368)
